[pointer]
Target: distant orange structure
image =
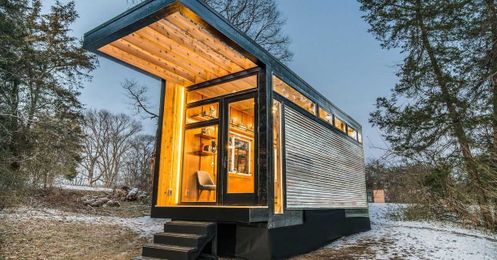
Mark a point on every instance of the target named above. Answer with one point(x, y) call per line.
point(379, 196)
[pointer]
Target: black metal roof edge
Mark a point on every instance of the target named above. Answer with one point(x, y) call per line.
point(131, 20)
point(143, 14)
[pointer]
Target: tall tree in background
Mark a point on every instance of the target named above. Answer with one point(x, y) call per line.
point(437, 111)
point(41, 69)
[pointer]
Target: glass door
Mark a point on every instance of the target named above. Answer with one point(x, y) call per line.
point(239, 168)
point(219, 143)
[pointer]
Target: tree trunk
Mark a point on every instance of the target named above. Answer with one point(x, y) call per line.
point(14, 128)
point(457, 126)
point(492, 18)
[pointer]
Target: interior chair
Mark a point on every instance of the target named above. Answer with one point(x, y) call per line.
point(204, 182)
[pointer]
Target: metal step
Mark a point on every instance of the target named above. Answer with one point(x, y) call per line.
point(168, 252)
point(189, 227)
point(179, 239)
point(182, 240)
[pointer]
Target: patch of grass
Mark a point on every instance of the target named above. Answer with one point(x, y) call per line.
point(415, 212)
point(51, 239)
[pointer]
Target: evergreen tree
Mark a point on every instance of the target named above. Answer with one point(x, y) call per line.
point(42, 68)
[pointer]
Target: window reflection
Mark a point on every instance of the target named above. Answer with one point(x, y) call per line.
point(340, 124)
point(352, 132)
point(324, 115)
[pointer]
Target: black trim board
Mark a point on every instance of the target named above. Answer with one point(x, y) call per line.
point(224, 79)
point(265, 141)
point(218, 214)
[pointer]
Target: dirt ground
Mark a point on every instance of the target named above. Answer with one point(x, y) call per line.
point(59, 238)
point(71, 201)
point(49, 239)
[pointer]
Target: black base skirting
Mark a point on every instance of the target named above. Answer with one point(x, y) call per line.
point(255, 241)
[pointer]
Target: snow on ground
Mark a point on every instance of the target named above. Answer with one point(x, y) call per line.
point(143, 226)
point(390, 238)
point(84, 188)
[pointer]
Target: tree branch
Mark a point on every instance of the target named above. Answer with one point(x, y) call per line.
point(137, 94)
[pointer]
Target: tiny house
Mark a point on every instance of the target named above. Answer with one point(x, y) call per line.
point(251, 161)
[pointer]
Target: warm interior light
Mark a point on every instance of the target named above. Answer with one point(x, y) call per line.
point(180, 141)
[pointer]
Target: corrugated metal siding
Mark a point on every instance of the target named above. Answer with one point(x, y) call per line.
point(323, 169)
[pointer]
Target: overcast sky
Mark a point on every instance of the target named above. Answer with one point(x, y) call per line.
point(333, 52)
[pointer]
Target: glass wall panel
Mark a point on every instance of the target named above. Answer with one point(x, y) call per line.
point(352, 132)
point(293, 95)
point(202, 113)
point(200, 155)
point(241, 145)
point(340, 124)
point(234, 86)
point(359, 137)
point(324, 115)
point(278, 160)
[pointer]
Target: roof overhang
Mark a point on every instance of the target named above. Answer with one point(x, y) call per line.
point(168, 40)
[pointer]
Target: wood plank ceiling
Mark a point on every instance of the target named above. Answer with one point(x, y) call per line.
point(178, 50)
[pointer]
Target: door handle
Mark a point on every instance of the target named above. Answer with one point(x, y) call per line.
point(225, 161)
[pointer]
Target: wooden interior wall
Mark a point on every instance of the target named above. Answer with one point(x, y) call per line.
point(170, 159)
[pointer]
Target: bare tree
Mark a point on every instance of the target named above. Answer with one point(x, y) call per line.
point(136, 168)
point(138, 96)
point(107, 139)
point(260, 20)
point(118, 130)
point(92, 145)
